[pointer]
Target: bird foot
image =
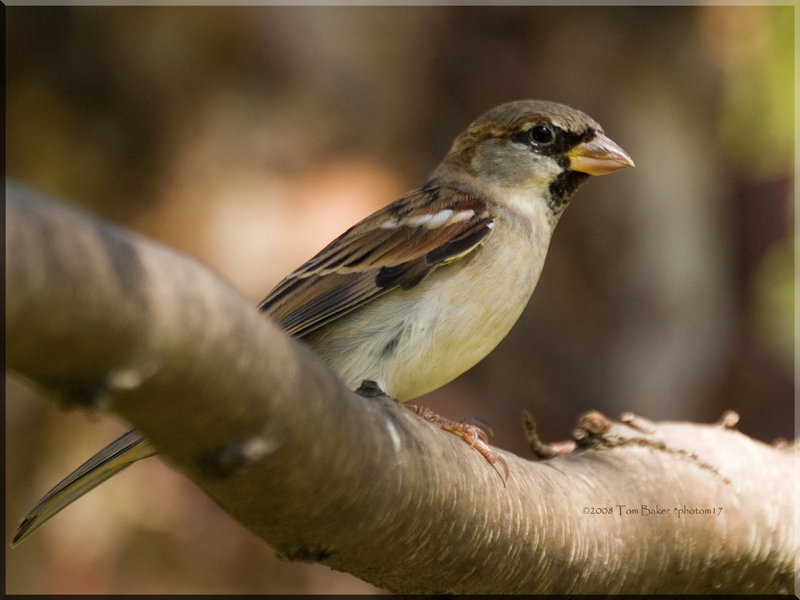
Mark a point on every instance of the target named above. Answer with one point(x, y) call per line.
point(474, 431)
point(369, 389)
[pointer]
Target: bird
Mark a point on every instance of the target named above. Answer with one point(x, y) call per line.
point(420, 291)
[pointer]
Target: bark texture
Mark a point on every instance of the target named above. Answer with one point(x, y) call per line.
point(103, 319)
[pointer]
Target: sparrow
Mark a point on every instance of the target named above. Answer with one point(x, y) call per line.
point(421, 290)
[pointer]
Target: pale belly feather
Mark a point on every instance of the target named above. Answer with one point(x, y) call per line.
point(457, 317)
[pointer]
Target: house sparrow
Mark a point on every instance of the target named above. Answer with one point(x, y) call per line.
point(420, 291)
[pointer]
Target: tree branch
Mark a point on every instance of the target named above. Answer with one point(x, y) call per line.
point(102, 318)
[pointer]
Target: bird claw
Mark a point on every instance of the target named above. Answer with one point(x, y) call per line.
point(482, 425)
point(472, 430)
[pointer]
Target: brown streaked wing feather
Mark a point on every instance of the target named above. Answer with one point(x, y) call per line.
point(368, 260)
point(321, 300)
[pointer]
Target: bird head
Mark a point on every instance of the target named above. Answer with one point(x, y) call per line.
point(538, 149)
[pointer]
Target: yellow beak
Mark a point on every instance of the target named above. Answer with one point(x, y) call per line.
point(598, 156)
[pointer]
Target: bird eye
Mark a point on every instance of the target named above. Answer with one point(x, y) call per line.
point(542, 134)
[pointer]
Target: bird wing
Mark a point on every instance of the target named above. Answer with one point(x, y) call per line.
point(398, 246)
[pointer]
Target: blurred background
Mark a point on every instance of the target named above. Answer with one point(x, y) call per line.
point(251, 137)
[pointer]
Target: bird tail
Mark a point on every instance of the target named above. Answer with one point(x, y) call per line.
point(119, 454)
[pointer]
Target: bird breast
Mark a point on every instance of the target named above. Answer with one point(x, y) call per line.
point(410, 342)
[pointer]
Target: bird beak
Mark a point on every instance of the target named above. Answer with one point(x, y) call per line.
point(598, 156)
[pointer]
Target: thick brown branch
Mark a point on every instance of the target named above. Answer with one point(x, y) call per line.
point(100, 317)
